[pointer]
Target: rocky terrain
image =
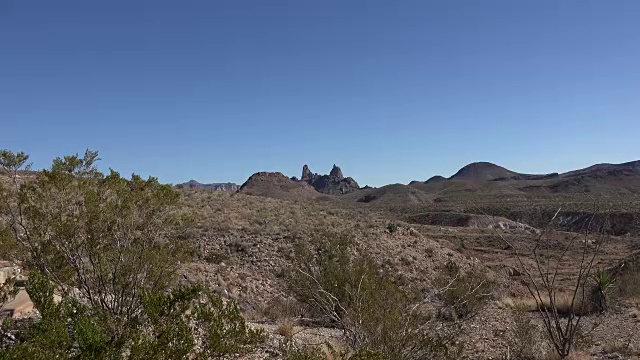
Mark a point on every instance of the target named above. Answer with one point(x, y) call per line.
point(475, 220)
point(461, 214)
point(245, 242)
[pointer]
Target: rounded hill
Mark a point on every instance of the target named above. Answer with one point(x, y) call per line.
point(276, 185)
point(482, 171)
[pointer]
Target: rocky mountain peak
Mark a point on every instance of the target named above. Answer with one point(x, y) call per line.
point(334, 183)
point(336, 172)
point(306, 173)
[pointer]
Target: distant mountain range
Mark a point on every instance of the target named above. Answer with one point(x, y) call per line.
point(488, 171)
point(192, 184)
point(477, 177)
point(310, 185)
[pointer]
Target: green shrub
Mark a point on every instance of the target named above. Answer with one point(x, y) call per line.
point(104, 238)
point(169, 324)
point(49, 338)
point(326, 266)
point(350, 291)
point(110, 246)
point(222, 328)
point(292, 352)
point(7, 290)
point(603, 285)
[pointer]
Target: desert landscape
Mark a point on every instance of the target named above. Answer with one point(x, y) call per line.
point(319, 180)
point(468, 250)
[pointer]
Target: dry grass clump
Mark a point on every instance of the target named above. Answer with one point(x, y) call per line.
point(627, 283)
point(625, 348)
point(526, 340)
point(282, 308)
point(464, 293)
point(286, 328)
point(576, 355)
point(564, 302)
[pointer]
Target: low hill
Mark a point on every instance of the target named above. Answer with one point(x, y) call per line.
point(276, 185)
point(596, 179)
point(480, 184)
point(464, 188)
point(479, 171)
point(492, 179)
point(435, 179)
point(390, 195)
point(601, 170)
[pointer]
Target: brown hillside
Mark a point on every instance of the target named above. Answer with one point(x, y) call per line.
point(482, 171)
point(396, 194)
point(276, 185)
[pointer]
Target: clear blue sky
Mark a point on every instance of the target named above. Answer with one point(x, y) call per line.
point(391, 91)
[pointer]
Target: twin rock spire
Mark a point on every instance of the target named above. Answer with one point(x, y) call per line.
point(334, 183)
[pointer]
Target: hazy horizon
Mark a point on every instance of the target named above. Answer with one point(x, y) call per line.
point(390, 92)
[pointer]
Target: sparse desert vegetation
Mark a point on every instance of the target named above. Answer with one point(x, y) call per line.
point(319, 180)
point(135, 269)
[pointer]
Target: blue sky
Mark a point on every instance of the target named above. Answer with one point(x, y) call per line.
point(392, 91)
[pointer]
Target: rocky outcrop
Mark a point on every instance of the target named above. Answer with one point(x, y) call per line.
point(192, 184)
point(335, 183)
point(452, 219)
point(307, 175)
point(336, 173)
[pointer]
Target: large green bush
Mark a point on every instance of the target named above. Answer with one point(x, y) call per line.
point(109, 247)
point(184, 323)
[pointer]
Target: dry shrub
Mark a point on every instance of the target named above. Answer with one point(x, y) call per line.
point(302, 354)
point(216, 257)
point(526, 339)
point(564, 303)
point(627, 282)
point(327, 352)
point(286, 328)
point(576, 355)
point(561, 314)
point(430, 251)
point(376, 315)
point(625, 348)
point(281, 308)
point(464, 294)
